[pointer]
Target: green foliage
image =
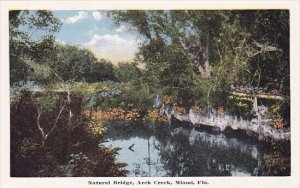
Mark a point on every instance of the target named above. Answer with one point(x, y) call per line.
point(46, 101)
point(241, 51)
point(93, 88)
point(241, 106)
point(97, 128)
point(22, 25)
point(71, 140)
point(80, 165)
point(126, 72)
point(40, 73)
point(67, 64)
point(109, 94)
point(35, 55)
point(72, 63)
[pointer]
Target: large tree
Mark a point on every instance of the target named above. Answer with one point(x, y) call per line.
point(72, 63)
point(31, 37)
point(208, 50)
point(179, 28)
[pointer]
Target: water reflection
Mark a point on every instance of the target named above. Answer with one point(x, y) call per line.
point(144, 160)
point(183, 151)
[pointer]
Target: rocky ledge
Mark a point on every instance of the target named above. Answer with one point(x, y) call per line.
point(260, 125)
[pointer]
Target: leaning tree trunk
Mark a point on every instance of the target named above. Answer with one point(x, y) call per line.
point(45, 135)
point(200, 56)
point(204, 69)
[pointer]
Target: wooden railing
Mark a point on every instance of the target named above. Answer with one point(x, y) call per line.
point(264, 96)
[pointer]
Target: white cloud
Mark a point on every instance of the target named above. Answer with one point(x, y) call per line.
point(122, 28)
point(97, 15)
point(112, 47)
point(100, 40)
point(81, 15)
point(60, 42)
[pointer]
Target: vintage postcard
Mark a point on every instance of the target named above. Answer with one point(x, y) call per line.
point(150, 94)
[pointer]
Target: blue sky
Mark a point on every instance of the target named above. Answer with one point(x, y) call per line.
point(93, 30)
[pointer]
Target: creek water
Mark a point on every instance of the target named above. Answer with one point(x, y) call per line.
point(185, 151)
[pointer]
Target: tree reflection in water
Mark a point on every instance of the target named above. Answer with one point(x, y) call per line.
point(183, 151)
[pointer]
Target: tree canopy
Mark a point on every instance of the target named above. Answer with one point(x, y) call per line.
point(31, 37)
point(73, 63)
point(207, 51)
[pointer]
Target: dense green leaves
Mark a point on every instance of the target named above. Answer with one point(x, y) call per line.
point(31, 37)
point(72, 63)
point(126, 72)
point(185, 47)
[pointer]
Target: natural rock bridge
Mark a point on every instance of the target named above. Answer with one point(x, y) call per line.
point(260, 125)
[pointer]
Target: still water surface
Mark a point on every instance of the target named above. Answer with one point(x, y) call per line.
point(184, 151)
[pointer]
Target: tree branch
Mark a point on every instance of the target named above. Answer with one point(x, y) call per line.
point(68, 92)
point(39, 126)
point(57, 75)
point(267, 48)
point(56, 121)
point(263, 48)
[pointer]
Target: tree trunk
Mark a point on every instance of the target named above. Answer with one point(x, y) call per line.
point(39, 126)
point(43, 135)
point(204, 69)
point(198, 57)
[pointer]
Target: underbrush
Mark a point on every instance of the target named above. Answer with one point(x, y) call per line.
point(70, 147)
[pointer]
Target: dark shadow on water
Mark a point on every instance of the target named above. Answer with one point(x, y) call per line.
point(182, 150)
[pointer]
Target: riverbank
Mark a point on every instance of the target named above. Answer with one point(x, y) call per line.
point(260, 126)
